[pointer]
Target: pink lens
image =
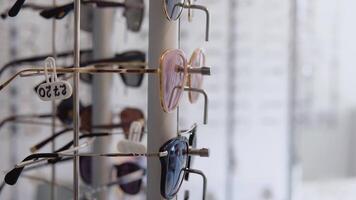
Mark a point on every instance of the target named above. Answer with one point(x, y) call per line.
point(173, 74)
point(196, 80)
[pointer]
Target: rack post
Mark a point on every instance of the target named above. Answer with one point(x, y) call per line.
point(101, 90)
point(54, 111)
point(161, 126)
point(76, 97)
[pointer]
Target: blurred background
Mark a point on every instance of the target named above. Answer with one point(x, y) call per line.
point(281, 104)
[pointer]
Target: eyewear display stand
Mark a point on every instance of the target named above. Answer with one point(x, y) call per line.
point(101, 89)
point(161, 125)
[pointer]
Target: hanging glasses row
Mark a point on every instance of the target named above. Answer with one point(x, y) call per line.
point(176, 73)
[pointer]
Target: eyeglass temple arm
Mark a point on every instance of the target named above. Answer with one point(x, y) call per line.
point(104, 4)
point(207, 14)
point(109, 126)
point(19, 117)
point(15, 9)
point(57, 12)
point(2, 186)
point(40, 58)
point(39, 145)
point(90, 135)
point(205, 100)
point(27, 5)
point(7, 82)
point(88, 70)
point(12, 176)
point(158, 154)
point(198, 172)
point(61, 11)
point(53, 137)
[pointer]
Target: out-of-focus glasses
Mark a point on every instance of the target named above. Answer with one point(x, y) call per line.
point(173, 10)
point(174, 70)
point(134, 11)
point(31, 6)
point(130, 80)
point(127, 116)
point(128, 177)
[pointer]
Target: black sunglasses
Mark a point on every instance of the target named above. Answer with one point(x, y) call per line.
point(134, 11)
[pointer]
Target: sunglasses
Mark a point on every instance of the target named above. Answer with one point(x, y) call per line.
point(173, 156)
point(174, 70)
point(174, 8)
point(134, 11)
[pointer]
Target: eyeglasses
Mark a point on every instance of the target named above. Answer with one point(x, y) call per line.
point(130, 80)
point(134, 11)
point(173, 10)
point(173, 72)
point(127, 116)
point(173, 156)
point(128, 177)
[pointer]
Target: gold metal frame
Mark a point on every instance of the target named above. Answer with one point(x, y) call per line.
point(185, 67)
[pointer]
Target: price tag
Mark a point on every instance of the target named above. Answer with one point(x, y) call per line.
point(53, 89)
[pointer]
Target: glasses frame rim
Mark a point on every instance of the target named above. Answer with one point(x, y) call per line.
point(167, 14)
point(194, 55)
point(164, 165)
point(161, 78)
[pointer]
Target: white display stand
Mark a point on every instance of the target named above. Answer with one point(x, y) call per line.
point(101, 95)
point(161, 126)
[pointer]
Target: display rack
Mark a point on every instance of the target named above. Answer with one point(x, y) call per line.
point(161, 126)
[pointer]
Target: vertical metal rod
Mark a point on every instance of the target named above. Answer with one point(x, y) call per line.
point(53, 167)
point(76, 96)
point(161, 125)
